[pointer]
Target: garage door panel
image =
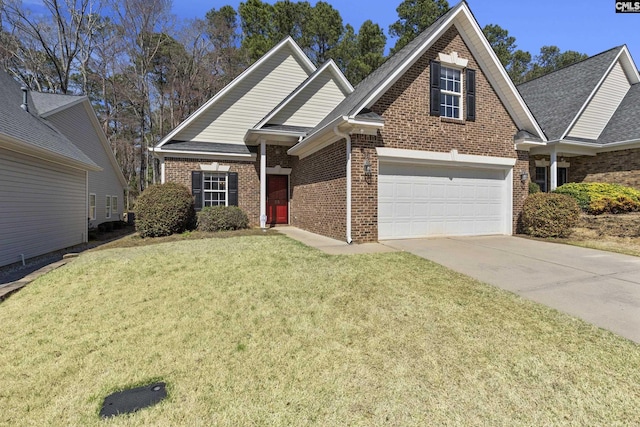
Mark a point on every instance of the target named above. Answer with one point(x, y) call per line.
point(417, 201)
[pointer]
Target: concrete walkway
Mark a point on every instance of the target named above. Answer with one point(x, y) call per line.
point(332, 246)
point(602, 288)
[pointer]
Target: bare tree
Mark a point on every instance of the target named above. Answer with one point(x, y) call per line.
point(53, 44)
point(139, 21)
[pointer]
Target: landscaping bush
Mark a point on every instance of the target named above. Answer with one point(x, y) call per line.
point(534, 188)
point(596, 197)
point(219, 218)
point(162, 210)
point(549, 215)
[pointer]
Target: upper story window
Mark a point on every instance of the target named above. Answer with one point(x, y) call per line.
point(450, 93)
point(453, 88)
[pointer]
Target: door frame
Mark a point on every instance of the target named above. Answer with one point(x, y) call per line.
point(287, 172)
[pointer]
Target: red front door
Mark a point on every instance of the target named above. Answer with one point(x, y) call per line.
point(277, 199)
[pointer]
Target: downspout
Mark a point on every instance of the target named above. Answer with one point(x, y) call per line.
point(347, 137)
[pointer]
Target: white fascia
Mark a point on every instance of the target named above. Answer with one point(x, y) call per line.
point(327, 136)
point(452, 158)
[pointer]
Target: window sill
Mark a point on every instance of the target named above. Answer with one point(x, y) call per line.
point(450, 120)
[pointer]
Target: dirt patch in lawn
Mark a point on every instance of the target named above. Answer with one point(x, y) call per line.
point(617, 233)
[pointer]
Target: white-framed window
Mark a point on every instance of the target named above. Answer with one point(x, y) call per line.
point(215, 189)
point(450, 93)
point(114, 205)
point(92, 206)
point(107, 212)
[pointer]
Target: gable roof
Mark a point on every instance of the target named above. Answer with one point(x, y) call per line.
point(32, 134)
point(625, 124)
point(380, 80)
point(286, 43)
point(329, 66)
point(557, 98)
point(49, 104)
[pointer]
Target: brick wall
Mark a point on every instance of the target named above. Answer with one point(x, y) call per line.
point(408, 125)
point(179, 170)
point(318, 199)
point(616, 167)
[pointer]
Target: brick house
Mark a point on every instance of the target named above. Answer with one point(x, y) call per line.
point(434, 142)
point(590, 114)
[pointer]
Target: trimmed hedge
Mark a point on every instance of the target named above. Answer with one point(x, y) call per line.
point(162, 210)
point(534, 188)
point(220, 218)
point(597, 197)
point(549, 215)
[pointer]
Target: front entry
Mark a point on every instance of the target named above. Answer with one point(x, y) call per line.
point(277, 199)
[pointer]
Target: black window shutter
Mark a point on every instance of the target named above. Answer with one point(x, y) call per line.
point(471, 94)
point(196, 188)
point(233, 188)
point(434, 108)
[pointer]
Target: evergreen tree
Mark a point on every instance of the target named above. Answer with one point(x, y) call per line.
point(414, 17)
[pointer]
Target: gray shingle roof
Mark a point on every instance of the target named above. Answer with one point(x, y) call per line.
point(376, 78)
point(29, 128)
point(287, 128)
point(46, 102)
point(625, 123)
point(206, 147)
point(556, 98)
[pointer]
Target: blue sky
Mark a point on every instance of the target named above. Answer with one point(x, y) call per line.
point(587, 26)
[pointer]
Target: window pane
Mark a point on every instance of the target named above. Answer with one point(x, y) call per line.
point(215, 189)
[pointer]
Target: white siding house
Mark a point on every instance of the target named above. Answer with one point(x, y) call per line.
point(43, 181)
point(74, 117)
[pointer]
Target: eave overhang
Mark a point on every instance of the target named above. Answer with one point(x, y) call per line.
point(327, 135)
point(19, 146)
point(162, 153)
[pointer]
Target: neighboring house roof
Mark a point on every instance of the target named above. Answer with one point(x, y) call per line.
point(254, 71)
point(625, 123)
point(49, 104)
point(28, 132)
point(379, 81)
point(555, 99)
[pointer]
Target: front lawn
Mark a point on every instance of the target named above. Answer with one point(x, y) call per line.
point(261, 330)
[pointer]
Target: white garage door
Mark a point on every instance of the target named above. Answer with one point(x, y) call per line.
point(423, 200)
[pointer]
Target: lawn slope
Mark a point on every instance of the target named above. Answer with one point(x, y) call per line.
point(265, 331)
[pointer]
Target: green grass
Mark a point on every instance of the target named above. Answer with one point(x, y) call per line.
point(261, 330)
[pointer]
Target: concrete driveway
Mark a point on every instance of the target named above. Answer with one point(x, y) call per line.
point(602, 288)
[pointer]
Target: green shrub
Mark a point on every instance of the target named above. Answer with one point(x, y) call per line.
point(219, 218)
point(549, 215)
point(534, 188)
point(164, 209)
point(598, 197)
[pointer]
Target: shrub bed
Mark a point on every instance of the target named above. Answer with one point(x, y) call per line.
point(221, 218)
point(597, 198)
point(162, 210)
point(549, 215)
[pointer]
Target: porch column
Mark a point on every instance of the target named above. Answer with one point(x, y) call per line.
point(163, 177)
point(553, 170)
point(263, 184)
